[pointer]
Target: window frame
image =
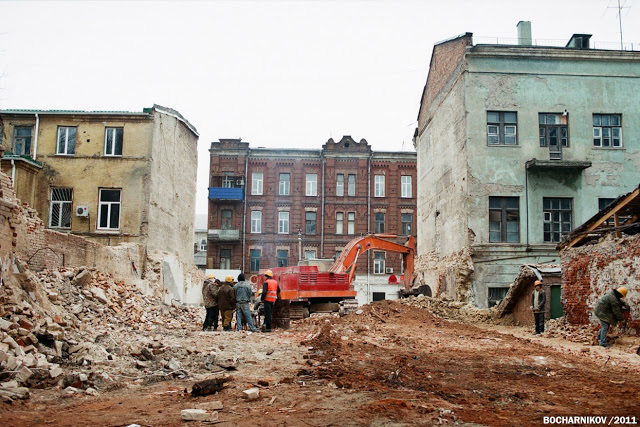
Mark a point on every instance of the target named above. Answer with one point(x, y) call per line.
point(226, 221)
point(340, 185)
point(406, 188)
point(280, 260)
point(379, 186)
point(311, 252)
point(379, 219)
point(351, 223)
point(24, 141)
point(501, 126)
point(284, 185)
point(310, 225)
point(339, 222)
point(114, 136)
point(601, 127)
point(254, 262)
point(379, 259)
point(256, 222)
point(203, 245)
point(108, 205)
point(505, 212)
point(351, 185)
point(403, 224)
point(66, 152)
point(543, 129)
point(257, 181)
point(311, 184)
point(225, 265)
point(282, 222)
point(61, 206)
point(548, 218)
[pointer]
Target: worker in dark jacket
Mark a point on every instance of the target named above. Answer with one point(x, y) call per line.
point(226, 302)
point(210, 300)
point(270, 293)
point(244, 297)
point(538, 300)
point(609, 311)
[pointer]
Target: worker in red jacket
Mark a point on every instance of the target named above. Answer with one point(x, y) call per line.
point(270, 293)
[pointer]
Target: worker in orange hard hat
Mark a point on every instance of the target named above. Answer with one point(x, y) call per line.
point(270, 294)
point(538, 300)
point(609, 310)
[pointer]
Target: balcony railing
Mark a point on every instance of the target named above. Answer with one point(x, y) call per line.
point(227, 235)
point(223, 193)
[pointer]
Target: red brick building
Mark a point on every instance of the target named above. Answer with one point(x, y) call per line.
point(268, 207)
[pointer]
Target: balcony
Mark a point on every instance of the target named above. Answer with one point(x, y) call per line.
point(224, 235)
point(223, 193)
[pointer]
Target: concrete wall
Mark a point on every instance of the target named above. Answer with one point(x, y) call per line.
point(589, 271)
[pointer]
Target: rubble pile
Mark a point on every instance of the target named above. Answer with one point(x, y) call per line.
point(559, 328)
point(447, 308)
point(81, 330)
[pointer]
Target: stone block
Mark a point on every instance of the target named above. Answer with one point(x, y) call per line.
point(99, 294)
point(214, 405)
point(198, 415)
point(4, 324)
point(252, 393)
point(23, 374)
point(55, 371)
point(82, 278)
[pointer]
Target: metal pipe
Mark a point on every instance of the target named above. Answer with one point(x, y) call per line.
point(369, 224)
point(35, 140)
point(322, 212)
point(13, 174)
point(526, 199)
point(244, 213)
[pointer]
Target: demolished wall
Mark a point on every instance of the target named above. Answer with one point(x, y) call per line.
point(450, 276)
point(592, 270)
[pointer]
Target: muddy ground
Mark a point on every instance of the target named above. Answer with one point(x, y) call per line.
point(392, 364)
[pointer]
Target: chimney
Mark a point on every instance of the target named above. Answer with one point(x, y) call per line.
point(524, 33)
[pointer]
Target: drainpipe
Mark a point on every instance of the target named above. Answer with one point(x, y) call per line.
point(369, 224)
point(526, 200)
point(13, 174)
point(244, 213)
point(322, 212)
point(35, 141)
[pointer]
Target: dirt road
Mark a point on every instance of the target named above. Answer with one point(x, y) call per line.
point(390, 365)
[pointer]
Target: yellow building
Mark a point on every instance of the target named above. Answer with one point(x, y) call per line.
point(108, 176)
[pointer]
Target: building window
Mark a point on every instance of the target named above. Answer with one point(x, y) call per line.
point(351, 185)
point(256, 221)
point(227, 179)
point(285, 179)
point(312, 184)
point(496, 295)
point(339, 222)
point(602, 204)
point(283, 222)
point(607, 131)
point(310, 223)
point(22, 140)
point(309, 254)
point(405, 189)
point(225, 259)
point(340, 184)
point(502, 128)
point(407, 220)
point(226, 216)
point(351, 223)
point(66, 140)
point(553, 130)
point(378, 186)
point(113, 141)
point(203, 245)
point(557, 218)
point(378, 263)
point(256, 183)
point(60, 210)
point(504, 219)
point(282, 257)
point(378, 296)
point(378, 223)
point(109, 209)
point(254, 256)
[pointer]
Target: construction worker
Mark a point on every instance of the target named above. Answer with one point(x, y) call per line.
point(226, 302)
point(244, 296)
point(210, 300)
point(538, 300)
point(609, 311)
point(270, 293)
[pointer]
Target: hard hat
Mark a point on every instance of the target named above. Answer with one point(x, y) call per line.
point(538, 283)
point(211, 276)
point(268, 273)
point(623, 291)
point(229, 279)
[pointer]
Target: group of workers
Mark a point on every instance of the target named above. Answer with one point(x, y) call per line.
point(610, 309)
point(222, 298)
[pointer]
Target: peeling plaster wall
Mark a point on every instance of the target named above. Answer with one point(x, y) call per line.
point(589, 271)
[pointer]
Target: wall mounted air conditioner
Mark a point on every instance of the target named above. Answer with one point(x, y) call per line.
point(82, 211)
point(389, 270)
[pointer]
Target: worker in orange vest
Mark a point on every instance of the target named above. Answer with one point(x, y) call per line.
point(270, 293)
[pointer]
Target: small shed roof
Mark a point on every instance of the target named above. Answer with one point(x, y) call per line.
point(528, 273)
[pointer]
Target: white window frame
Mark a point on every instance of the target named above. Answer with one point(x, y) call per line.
point(405, 187)
point(66, 140)
point(284, 185)
point(351, 189)
point(109, 206)
point(340, 184)
point(256, 222)
point(283, 222)
point(114, 133)
point(378, 263)
point(203, 245)
point(309, 254)
point(351, 223)
point(61, 205)
point(20, 141)
point(598, 134)
point(225, 263)
point(254, 261)
point(378, 185)
point(311, 184)
point(257, 178)
point(339, 222)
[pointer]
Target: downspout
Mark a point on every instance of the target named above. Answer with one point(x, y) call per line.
point(13, 174)
point(369, 224)
point(322, 207)
point(244, 213)
point(35, 141)
point(526, 201)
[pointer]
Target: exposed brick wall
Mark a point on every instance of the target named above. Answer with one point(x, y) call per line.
point(591, 271)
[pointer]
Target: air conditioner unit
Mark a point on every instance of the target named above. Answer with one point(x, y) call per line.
point(389, 270)
point(82, 211)
point(240, 182)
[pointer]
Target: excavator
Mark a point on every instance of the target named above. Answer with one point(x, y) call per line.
point(327, 285)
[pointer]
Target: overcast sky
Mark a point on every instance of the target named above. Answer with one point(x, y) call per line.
point(274, 73)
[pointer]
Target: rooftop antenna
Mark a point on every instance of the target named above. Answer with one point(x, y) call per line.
point(619, 7)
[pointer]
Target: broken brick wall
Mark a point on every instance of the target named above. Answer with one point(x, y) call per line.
point(451, 275)
point(588, 272)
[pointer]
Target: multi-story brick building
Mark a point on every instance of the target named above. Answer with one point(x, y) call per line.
point(272, 207)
